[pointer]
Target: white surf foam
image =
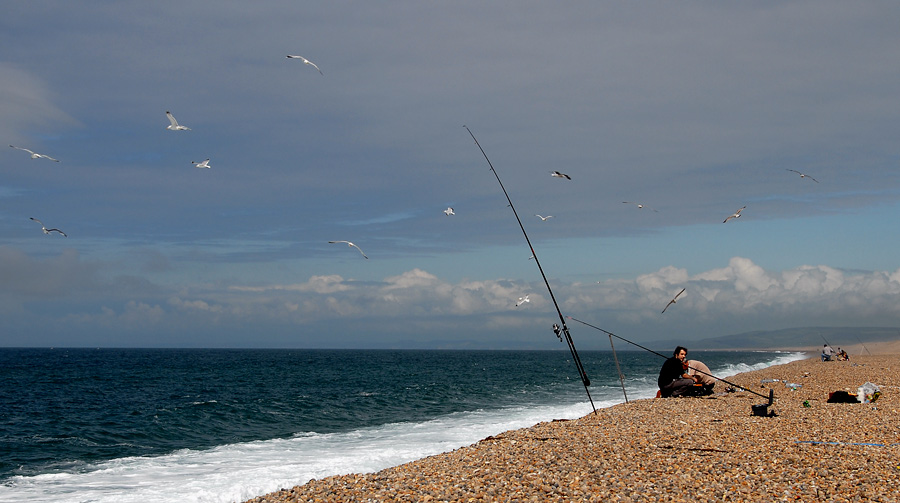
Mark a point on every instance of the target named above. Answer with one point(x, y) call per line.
point(238, 472)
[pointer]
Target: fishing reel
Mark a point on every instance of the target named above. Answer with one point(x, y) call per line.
point(558, 331)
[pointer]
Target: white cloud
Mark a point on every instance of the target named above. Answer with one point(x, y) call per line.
point(318, 284)
point(804, 295)
point(739, 297)
point(742, 290)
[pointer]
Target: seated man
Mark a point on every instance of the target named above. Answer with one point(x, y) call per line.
point(673, 380)
point(827, 353)
point(702, 376)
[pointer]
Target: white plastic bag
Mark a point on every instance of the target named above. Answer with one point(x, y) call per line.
point(868, 393)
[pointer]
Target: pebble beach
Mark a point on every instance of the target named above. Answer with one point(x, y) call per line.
point(677, 449)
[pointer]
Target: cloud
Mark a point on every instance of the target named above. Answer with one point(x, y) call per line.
point(27, 278)
point(26, 103)
point(741, 296)
point(740, 291)
point(318, 284)
point(746, 293)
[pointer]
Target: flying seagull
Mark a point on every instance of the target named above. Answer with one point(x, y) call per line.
point(305, 61)
point(557, 174)
point(175, 126)
point(351, 244)
point(737, 214)
point(204, 164)
point(46, 230)
point(35, 155)
point(543, 219)
point(673, 300)
point(522, 300)
point(449, 211)
point(802, 175)
point(639, 205)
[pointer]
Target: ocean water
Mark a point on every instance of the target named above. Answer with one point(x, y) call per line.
point(189, 425)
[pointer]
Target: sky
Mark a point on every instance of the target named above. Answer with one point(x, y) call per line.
point(692, 109)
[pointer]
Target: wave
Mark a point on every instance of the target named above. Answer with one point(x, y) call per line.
point(241, 471)
point(238, 472)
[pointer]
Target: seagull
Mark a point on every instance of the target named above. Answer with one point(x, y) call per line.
point(35, 155)
point(305, 61)
point(737, 214)
point(449, 211)
point(673, 300)
point(351, 244)
point(204, 164)
point(557, 174)
point(639, 205)
point(46, 230)
point(522, 300)
point(802, 175)
point(175, 126)
point(543, 219)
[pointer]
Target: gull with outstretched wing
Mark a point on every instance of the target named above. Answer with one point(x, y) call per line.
point(351, 244)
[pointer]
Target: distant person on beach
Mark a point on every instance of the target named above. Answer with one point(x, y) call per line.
point(674, 380)
point(827, 353)
point(844, 355)
point(702, 376)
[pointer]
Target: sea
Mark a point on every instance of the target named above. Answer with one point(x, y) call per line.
point(227, 425)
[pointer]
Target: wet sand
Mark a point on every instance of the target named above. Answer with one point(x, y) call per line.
point(676, 449)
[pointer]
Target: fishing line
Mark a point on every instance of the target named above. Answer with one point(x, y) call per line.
point(863, 345)
point(826, 342)
point(666, 357)
point(618, 369)
point(560, 330)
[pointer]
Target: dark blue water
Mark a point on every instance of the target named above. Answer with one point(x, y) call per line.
point(66, 410)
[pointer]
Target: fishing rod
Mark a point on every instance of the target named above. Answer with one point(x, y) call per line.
point(666, 357)
point(861, 344)
point(826, 342)
point(561, 329)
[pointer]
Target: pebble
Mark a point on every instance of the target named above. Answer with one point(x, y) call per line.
point(672, 450)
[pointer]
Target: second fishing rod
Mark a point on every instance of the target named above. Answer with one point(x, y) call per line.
point(738, 386)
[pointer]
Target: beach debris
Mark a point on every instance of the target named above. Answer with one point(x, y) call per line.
point(794, 386)
point(762, 409)
point(868, 393)
point(765, 381)
point(806, 404)
point(842, 396)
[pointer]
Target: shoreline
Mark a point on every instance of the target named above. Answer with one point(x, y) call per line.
point(664, 449)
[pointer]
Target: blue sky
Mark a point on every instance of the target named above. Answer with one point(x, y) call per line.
point(693, 109)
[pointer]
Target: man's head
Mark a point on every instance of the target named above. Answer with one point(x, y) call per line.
point(680, 352)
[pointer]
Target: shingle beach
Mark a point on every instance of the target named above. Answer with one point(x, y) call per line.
point(676, 449)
